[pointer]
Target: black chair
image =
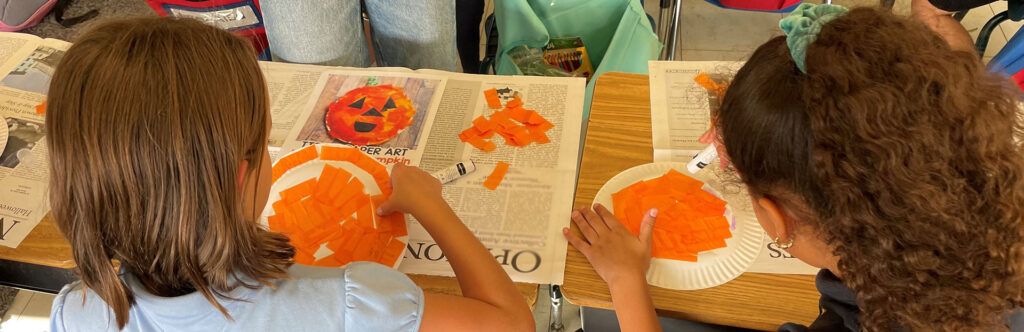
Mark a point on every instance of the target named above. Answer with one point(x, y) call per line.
point(1014, 12)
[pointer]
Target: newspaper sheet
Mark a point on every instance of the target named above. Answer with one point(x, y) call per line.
point(680, 112)
point(521, 221)
point(27, 63)
point(289, 86)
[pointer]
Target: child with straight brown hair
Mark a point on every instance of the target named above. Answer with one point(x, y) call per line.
point(157, 132)
point(875, 152)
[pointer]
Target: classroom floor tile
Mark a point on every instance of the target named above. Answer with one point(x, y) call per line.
point(973, 22)
point(711, 55)
point(901, 7)
point(29, 312)
point(1009, 27)
point(706, 27)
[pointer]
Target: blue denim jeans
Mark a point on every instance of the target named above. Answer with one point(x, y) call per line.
point(413, 34)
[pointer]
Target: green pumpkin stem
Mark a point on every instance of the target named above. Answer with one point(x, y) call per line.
point(372, 81)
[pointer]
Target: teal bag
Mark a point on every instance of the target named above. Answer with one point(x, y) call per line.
point(617, 33)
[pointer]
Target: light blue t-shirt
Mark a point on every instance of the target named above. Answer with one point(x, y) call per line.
point(360, 297)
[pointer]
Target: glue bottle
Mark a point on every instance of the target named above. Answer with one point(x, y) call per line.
point(456, 171)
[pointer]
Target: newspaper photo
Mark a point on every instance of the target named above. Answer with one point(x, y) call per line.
point(27, 63)
point(681, 112)
point(521, 221)
point(371, 106)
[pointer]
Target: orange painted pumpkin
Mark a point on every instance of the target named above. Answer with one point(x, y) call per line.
point(369, 115)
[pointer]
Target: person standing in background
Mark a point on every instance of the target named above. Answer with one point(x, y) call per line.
point(468, 14)
point(412, 34)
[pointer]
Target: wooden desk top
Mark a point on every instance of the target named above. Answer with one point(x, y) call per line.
point(619, 137)
point(44, 245)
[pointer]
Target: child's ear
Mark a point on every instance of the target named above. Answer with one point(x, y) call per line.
point(777, 219)
point(242, 169)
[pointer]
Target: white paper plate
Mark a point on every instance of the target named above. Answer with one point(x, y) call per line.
point(714, 267)
point(312, 169)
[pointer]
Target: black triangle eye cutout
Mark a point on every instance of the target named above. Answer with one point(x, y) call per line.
point(358, 104)
point(389, 105)
point(373, 112)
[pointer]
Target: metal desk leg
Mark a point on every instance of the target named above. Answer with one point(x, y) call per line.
point(556, 309)
point(663, 19)
point(672, 33)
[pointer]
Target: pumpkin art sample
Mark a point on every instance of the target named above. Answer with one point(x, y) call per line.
point(369, 115)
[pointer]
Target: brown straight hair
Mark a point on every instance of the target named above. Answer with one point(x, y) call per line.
point(899, 153)
point(148, 121)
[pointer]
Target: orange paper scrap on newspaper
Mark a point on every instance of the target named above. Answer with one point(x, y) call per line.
point(517, 125)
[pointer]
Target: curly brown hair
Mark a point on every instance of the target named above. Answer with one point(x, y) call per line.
point(900, 153)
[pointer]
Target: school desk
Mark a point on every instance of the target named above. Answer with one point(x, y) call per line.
point(45, 252)
point(619, 137)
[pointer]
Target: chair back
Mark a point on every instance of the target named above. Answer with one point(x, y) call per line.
point(241, 17)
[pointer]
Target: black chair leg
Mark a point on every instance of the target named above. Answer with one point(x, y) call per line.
point(491, 50)
point(986, 31)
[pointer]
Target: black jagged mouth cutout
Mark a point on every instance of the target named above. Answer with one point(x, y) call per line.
point(363, 127)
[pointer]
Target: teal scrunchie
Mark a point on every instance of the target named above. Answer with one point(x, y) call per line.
point(803, 25)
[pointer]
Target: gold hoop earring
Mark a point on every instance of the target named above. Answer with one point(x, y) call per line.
point(783, 246)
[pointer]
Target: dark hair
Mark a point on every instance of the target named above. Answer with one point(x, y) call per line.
point(147, 122)
point(899, 152)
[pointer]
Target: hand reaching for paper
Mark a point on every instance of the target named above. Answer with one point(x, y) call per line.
point(711, 137)
point(414, 191)
point(621, 259)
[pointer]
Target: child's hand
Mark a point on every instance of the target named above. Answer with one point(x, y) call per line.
point(413, 191)
point(616, 254)
point(711, 137)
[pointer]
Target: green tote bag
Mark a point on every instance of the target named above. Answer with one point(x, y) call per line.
point(617, 33)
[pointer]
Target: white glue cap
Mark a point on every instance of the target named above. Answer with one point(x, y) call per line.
point(702, 159)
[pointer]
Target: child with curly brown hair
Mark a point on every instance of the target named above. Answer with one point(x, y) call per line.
point(873, 150)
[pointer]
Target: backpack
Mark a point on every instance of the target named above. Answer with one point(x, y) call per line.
point(16, 15)
point(241, 17)
point(775, 6)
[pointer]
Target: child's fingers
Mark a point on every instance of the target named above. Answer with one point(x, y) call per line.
point(398, 170)
point(584, 225)
point(387, 207)
point(576, 241)
point(647, 226)
point(607, 217)
point(594, 220)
